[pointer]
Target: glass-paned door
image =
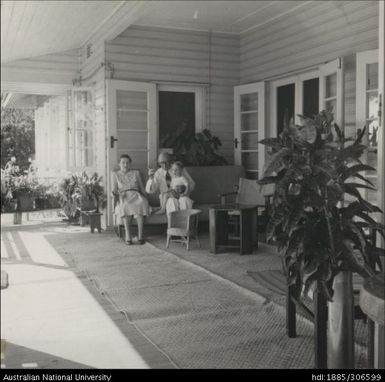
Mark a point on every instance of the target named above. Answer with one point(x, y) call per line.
point(367, 108)
point(331, 88)
point(131, 123)
point(249, 122)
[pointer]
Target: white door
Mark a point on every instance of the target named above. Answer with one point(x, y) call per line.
point(331, 89)
point(131, 126)
point(249, 128)
point(367, 111)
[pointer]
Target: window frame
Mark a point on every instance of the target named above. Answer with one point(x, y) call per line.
point(363, 59)
point(71, 126)
point(298, 81)
point(200, 102)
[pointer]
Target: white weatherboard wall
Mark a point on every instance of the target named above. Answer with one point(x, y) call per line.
point(316, 33)
point(56, 68)
point(177, 56)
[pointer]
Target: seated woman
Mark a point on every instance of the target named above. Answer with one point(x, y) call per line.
point(180, 189)
point(127, 184)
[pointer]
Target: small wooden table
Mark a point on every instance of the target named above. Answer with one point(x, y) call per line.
point(219, 232)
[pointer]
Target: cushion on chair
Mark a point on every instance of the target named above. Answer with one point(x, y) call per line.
point(211, 181)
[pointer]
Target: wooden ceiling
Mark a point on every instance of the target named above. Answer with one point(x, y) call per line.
point(33, 28)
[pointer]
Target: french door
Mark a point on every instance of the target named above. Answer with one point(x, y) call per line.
point(249, 128)
point(367, 111)
point(131, 126)
point(331, 89)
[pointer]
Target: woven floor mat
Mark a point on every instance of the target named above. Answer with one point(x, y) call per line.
point(275, 283)
point(178, 299)
point(199, 320)
point(244, 337)
point(146, 274)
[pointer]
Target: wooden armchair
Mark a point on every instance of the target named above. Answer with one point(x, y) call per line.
point(249, 192)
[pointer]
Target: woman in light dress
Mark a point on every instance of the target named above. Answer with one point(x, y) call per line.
point(127, 185)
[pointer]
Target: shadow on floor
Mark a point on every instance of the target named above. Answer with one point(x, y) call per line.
point(20, 357)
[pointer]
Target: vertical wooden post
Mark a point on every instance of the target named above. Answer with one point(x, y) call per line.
point(291, 311)
point(379, 336)
point(340, 347)
point(320, 329)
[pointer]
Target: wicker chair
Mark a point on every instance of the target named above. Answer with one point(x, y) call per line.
point(184, 225)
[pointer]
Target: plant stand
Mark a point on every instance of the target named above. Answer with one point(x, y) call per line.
point(17, 217)
point(95, 221)
point(340, 323)
point(83, 219)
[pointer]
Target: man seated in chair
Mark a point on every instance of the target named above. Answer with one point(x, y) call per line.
point(161, 180)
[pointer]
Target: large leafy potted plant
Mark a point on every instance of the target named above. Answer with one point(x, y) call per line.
point(80, 192)
point(21, 187)
point(90, 192)
point(198, 149)
point(319, 219)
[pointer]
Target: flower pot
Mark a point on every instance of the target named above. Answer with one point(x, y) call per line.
point(88, 205)
point(25, 203)
point(11, 205)
point(341, 323)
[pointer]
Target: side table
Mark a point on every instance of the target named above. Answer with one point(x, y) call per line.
point(219, 232)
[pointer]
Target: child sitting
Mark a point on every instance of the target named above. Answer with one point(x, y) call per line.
point(179, 189)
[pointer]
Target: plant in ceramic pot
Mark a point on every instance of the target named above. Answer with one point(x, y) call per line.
point(319, 219)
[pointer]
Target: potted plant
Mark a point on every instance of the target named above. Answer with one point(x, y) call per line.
point(81, 192)
point(66, 190)
point(92, 191)
point(196, 150)
point(319, 219)
point(18, 187)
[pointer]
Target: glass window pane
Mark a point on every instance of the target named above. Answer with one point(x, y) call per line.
point(176, 119)
point(131, 120)
point(131, 100)
point(331, 105)
point(89, 156)
point(372, 76)
point(71, 162)
point(249, 102)
point(249, 141)
point(372, 195)
point(250, 161)
point(88, 139)
point(249, 121)
point(81, 135)
point(79, 139)
point(310, 97)
point(331, 85)
point(285, 104)
point(70, 138)
point(373, 133)
point(371, 105)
